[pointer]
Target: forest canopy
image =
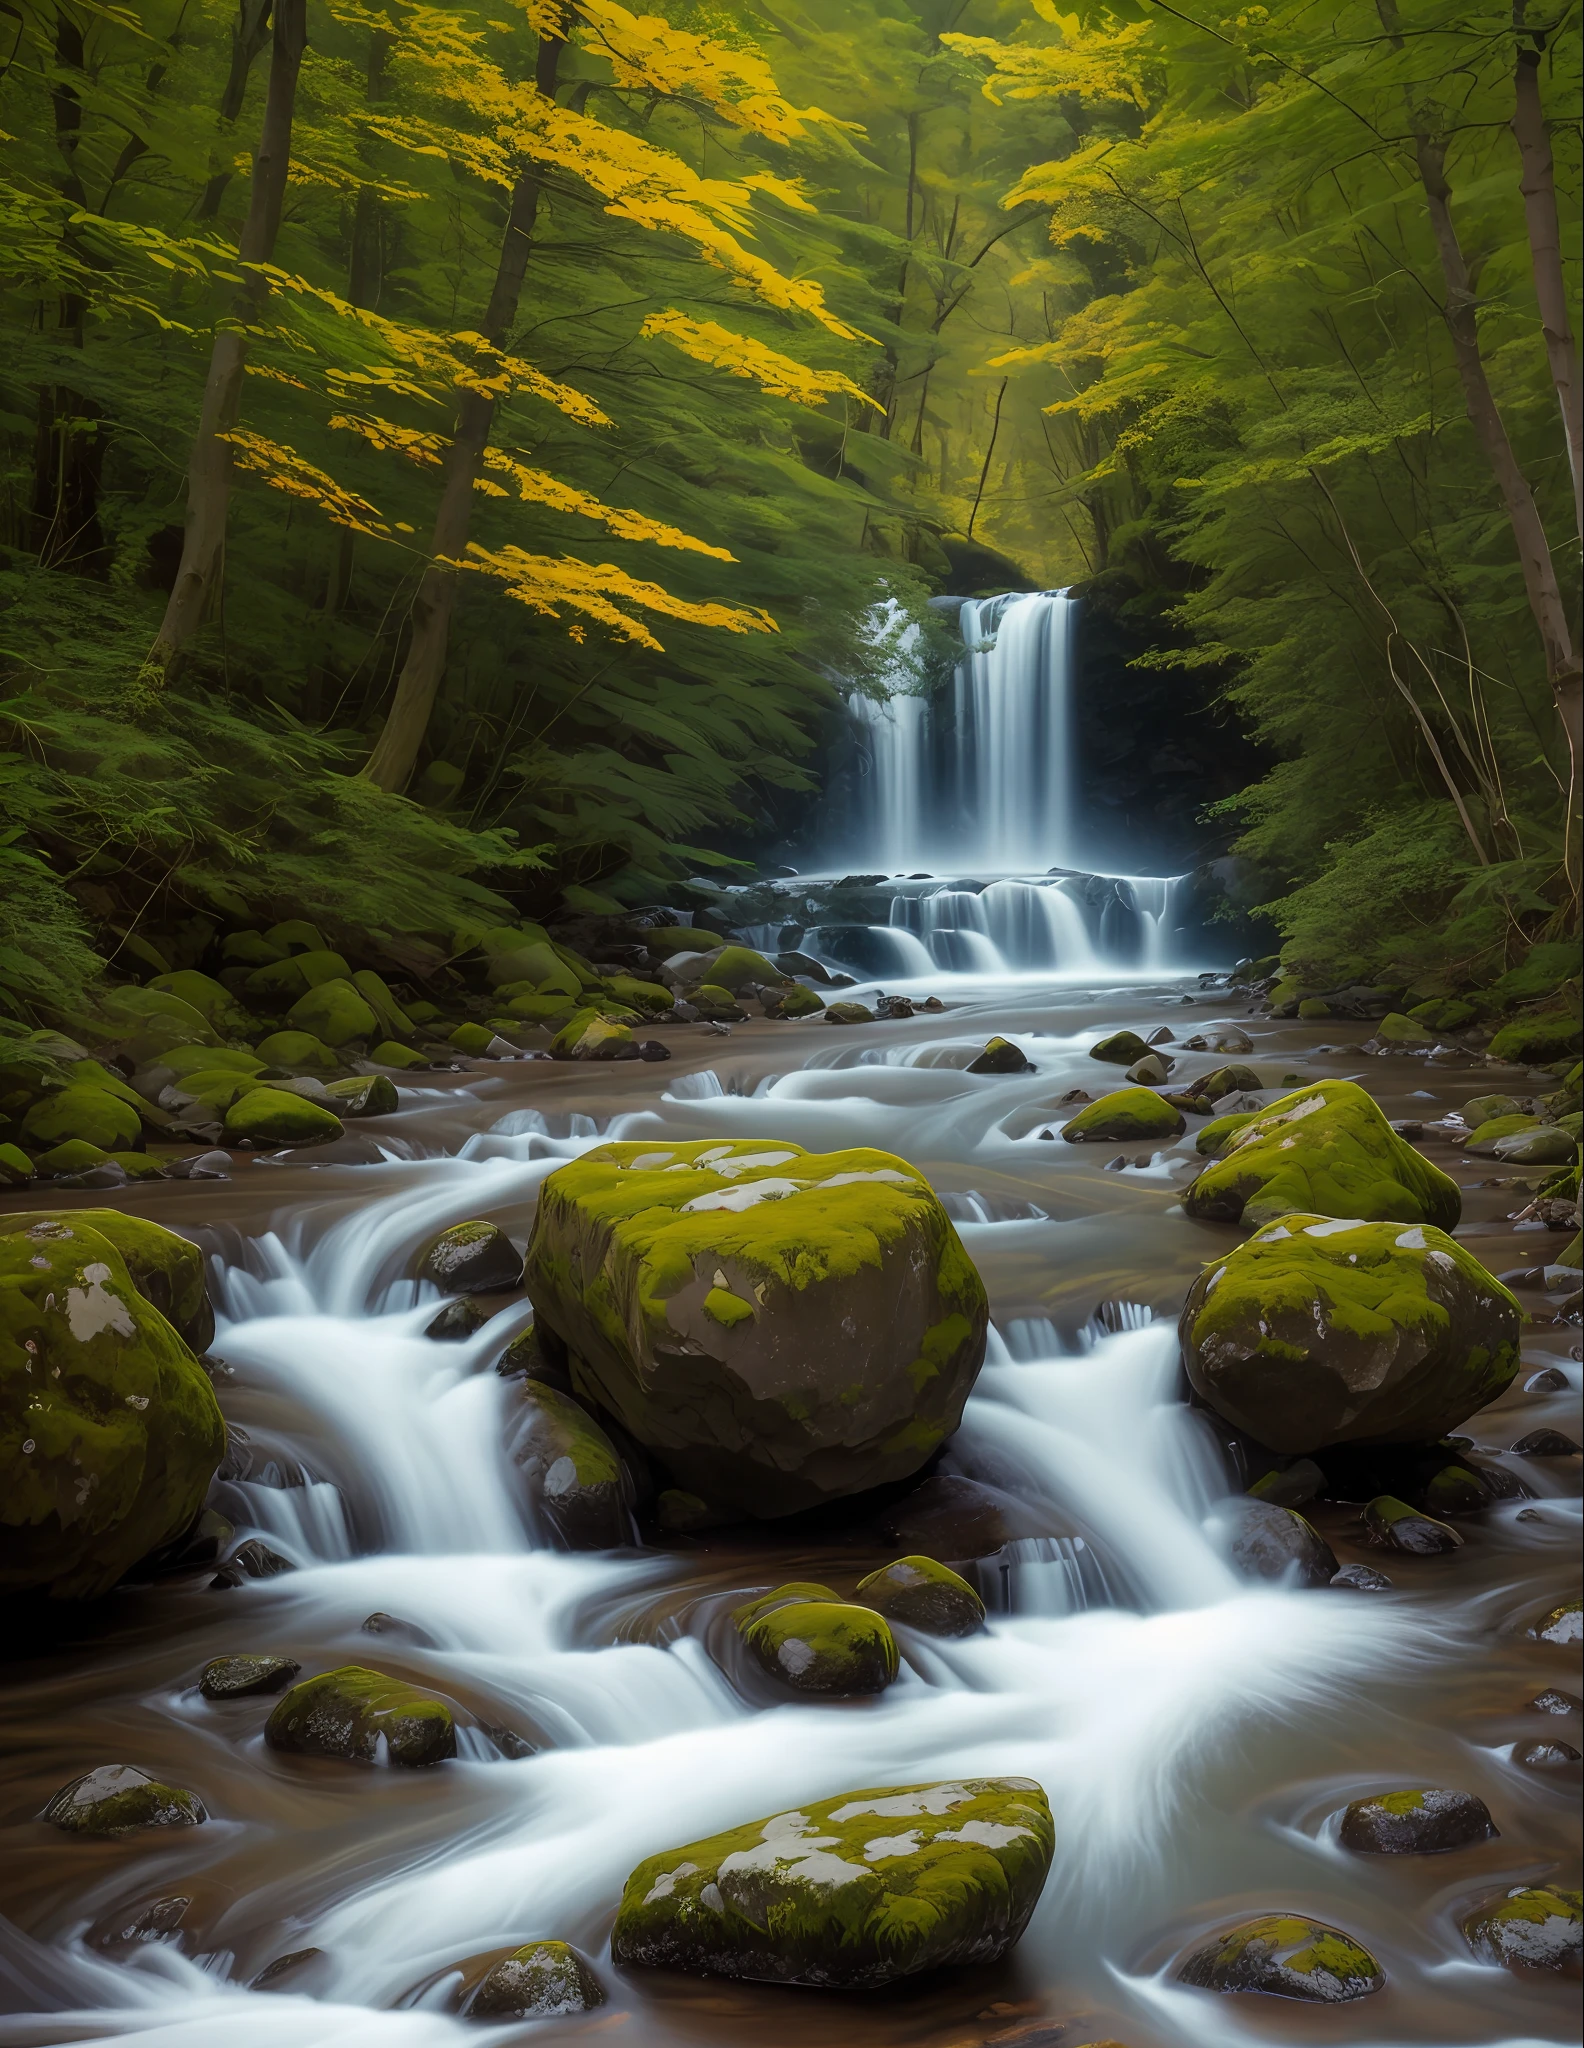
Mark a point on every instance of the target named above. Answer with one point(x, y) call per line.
point(451, 454)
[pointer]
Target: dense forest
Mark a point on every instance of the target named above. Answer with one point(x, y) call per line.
point(450, 454)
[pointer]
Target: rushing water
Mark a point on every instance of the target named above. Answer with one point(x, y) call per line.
point(1196, 1735)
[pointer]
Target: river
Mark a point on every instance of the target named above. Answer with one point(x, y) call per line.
point(1197, 1735)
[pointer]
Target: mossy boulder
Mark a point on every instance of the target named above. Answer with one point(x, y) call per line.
point(16, 1168)
point(166, 1270)
point(1443, 1013)
point(109, 1429)
point(68, 1159)
point(1228, 1080)
point(1546, 1145)
point(716, 1005)
point(1318, 1332)
point(861, 1328)
point(1119, 1048)
point(1326, 1150)
point(184, 1060)
point(364, 1095)
point(1485, 1136)
point(922, 1594)
point(476, 1257)
point(335, 1014)
point(1396, 1029)
point(825, 1647)
point(1001, 1056)
point(1484, 1109)
point(1131, 1115)
point(119, 1799)
point(1535, 1927)
point(1215, 1137)
point(245, 1676)
point(402, 1057)
point(361, 1716)
point(648, 997)
point(1286, 1956)
point(588, 1036)
point(391, 1020)
point(1313, 1008)
point(213, 1002)
point(536, 961)
point(1537, 1041)
point(85, 1112)
point(207, 1094)
point(1391, 1524)
point(543, 1980)
point(143, 1022)
point(548, 1008)
point(1423, 1821)
point(295, 935)
point(273, 1116)
point(789, 1003)
point(250, 949)
point(577, 1485)
point(848, 1893)
point(297, 1051)
point(733, 968)
point(848, 1013)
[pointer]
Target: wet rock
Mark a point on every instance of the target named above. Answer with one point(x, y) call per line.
point(363, 1095)
point(335, 1014)
point(1230, 1039)
point(166, 1270)
point(471, 1258)
point(276, 1116)
point(119, 1799)
point(379, 1623)
point(243, 1677)
point(251, 1560)
point(1151, 1071)
point(1001, 1056)
point(160, 1920)
point(1535, 1927)
point(1393, 1525)
point(1231, 1080)
point(652, 1051)
point(1317, 1332)
point(111, 1430)
point(776, 1328)
point(295, 1051)
point(897, 1009)
point(1361, 1578)
point(1263, 1541)
point(457, 1321)
point(1286, 1956)
point(589, 1036)
point(684, 1514)
point(1162, 1036)
point(1544, 1756)
point(545, 1980)
point(201, 1166)
point(290, 1972)
point(922, 1594)
point(848, 1893)
point(361, 1716)
point(88, 1114)
point(1422, 1822)
point(575, 1479)
point(1545, 1443)
point(1454, 1490)
point(1119, 1049)
point(1073, 1095)
point(1546, 1146)
point(1553, 1702)
point(1325, 1150)
point(1128, 1115)
point(1563, 1625)
point(1546, 1381)
point(949, 1518)
point(824, 1647)
point(536, 1354)
point(1290, 1487)
point(848, 1013)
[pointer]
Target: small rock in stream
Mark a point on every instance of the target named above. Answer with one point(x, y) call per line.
point(1544, 1756)
point(251, 1560)
point(822, 1646)
point(243, 1677)
point(1563, 1625)
point(279, 1974)
point(1546, 1381)
point(1001, 1056)
point(457, 1321)
point(1290, 1487)
point(1420, 1822)
point(1535, 1927)
point(1286, 1956)
point(1361, 1578)
point(475, 1257)
point(545, 1980)
point(119, 1799)
point(1551, 1701)
point(1393, 1525)
point(159, 1921)
point(1545, 1443)
point(1263, 1541)
point(362, 1716)
point(379, 1623)
point(922, 1594)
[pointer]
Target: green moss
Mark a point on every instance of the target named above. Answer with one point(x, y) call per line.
point(271, 1116)
point(1443, 1013)
point(472, 1040)
point(793, 1002)
point(1484, 1109)
point(15, 1166)
point(210, 1092)
point(1484, 1136)
point(166, 1270)
point(75, 1155)
point(1312, 1008)
point(1533, 1041)
point(1129, 1115)
point(297, 1052)
point(364, 1095)
point(727, 1308)
point(827, 1647)
point(1288, 1956)
point(589, 1036)
point(1396, 1029)
point(334, 1012)
point(922, 1594)
point(391, 1020)
point(536, 962)
point(400, 1056)
point(797, 1592)
point(542, 1009)
point(736, 967)
point(544, 1980)
point(250, 949)
point(1325, 1150)
point(183, 1060)
point(119, 1799)
point(1120, 1049)
point(210, 999)
point(87, 1113)
point(1216, 1135)
point(362, 1716)
point(848, 1013)
point(295, 935)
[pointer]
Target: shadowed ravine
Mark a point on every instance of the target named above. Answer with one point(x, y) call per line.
point(1197, 1737)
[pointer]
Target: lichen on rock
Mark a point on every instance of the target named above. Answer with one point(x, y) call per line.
point(1286, 1956)
point(362, 1716)
point(119, 1799)
point(1535, 1927)
point(540, 1981)
point(1420, 1821)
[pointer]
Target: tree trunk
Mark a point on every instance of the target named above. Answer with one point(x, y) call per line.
point(1538, 186)
point(247, 39)
point(396, 750)
point(209, 468)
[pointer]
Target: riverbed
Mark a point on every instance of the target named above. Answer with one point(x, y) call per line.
point(1197, 1736)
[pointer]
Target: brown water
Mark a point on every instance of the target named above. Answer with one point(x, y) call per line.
point(1196, 1737)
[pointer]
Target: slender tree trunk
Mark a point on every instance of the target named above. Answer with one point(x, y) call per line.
point(395, 753)
point(995, 428)
point(1538, 186)
point(209, 467)
point(247, 40)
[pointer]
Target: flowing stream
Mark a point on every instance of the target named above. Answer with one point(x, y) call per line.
point(1197, 1735)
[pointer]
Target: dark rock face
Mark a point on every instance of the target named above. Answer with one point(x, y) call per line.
point(361, 1716)
point(1416, 1823)
point(1393, 1525)
point(1361, 1578)
point(250, 1560)
point(848, 1893)
point(1563, 1625)
point(235, 1678)
point(922, 1594)
point(1264, 1541)
point(545, 1980)
point(472, 1258)
point(950, 1518)
point(457, 1321)
point(1286, 1956)
point(1545, 1443)
point(119, 1799)
point(1001, 1056)
point(576, 1481)
point(1120, 1049)
point(1535, 1927)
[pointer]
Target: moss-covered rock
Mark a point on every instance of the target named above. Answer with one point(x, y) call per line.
point(109, 1430)
point(1286, 1956)
point(1326, 1150)
point(1391, 1524)
point(544, 1980)
point(272, 1116)
point(1562, 1626)
point(183, 1061)
point(246, 1676)
point(825, 1647)
point(1424, 1821)
point(475, 1257)
point(648, 997)
point(1536, 1041)
point(790, 1003)
point(1001, 1056)
point(865, 1323)
point(16, 1168)
point(1131, 1115)
point(549, 1008)
point(848, 1013)
point(796, 1593)
point(90, 1114)
point(588, 1036)
point(1454, 1490)
point(335, 1014)
point(213, 1002)
point(1228, 1080)
point(1150, 1072)
point(68, 1159)
point(297, 1052)
point(361, 1716)
point(576, 1483)
point(1396, 1029)
point(922, 1594)
point(206, 1095)
point(1215, 1136)
point(250, 949)
point(1535, 1927)
point(295, 935)
point(733, 968)
point(364, 1095)
point(1119, 1048)
point(538, 962)
point(1319, 1332)
point(1443, 1013)
point(849, 1893)
point(166, 1270)
point(402, 1057)
point(1546, 1145)
point(1486, 1135)
point(119, 1799)
point(1313, 1008)
point(143, 1022)
point(391, 1020)
point(1483, 1109)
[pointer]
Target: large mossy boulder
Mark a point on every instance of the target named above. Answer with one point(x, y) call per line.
point(88, 1113)
point(577, 1484)
point(1318, 1332)
point(361, 1716)
point(1537, 1041)
point(587, 1035)
point(849, 1893)
point(363, 1095)
point(298, 1051)
point(1325, 1150)
point(165, 1269)
point(733, 968)
point(144, 1022)
point(1128, 1116)
point(1286, 1956)
point(274, 1116)
point(209, 998)
point(777, 1328)
point(391, 1019)
point(109, 1429)
point(335, 1014)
